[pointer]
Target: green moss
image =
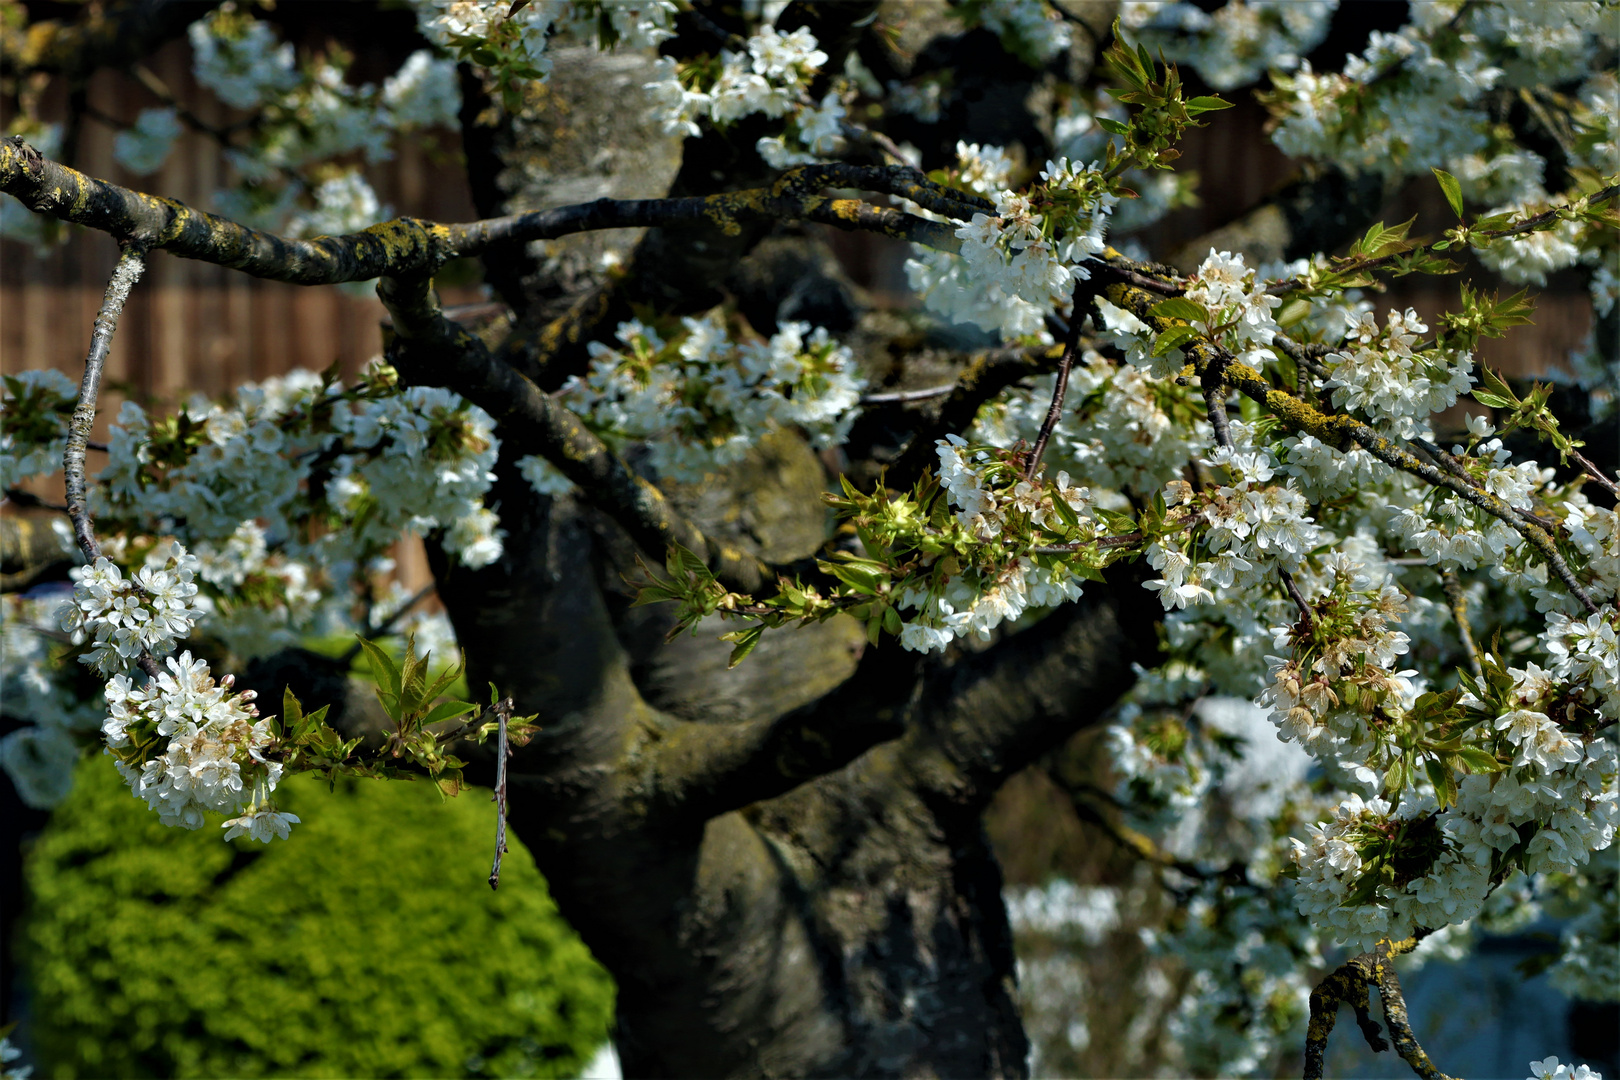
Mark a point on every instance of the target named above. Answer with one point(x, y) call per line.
point(368, 944)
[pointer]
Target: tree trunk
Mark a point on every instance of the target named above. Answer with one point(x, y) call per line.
point(783, 865)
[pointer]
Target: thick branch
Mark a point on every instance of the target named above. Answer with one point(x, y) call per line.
point(706, 769)
point(1348, 986)
point(409, 246)
point(994, 712)
point(431, 350)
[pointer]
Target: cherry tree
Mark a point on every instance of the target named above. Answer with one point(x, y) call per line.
point(771, 593)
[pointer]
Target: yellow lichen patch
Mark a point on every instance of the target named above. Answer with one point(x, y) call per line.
point(726, 210)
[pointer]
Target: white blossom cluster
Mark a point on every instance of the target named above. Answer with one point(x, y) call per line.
point(213, 759)
point(1246, 529)
point(1324, 701)
point(257, 453)
point(1531, 256)
point(1015, 265)
point(213, 737)
point(1378, 373)
point(1439, 66)
point(123, 617)
point(771, 77)
point(469, 27)
point(310, 124)
point(1210, 782)
point(1240, 318)
point(240, 60)
point(1589, 969)
point(261, 599)
point(144, 147)
point(1032, 31)
point(1336, 117)
point(1550, 1069)
point(1126, 433)
point(1555, 801)
point(1237, 42)
point(981, 599)
point(701, 399)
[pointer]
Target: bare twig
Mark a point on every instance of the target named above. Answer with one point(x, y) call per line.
point(131, 261)
point(1595, 473)
point(1080, 545)
point(1459, 611)
point(1307, 621)
point(1213, 381)
point(901, 397)
point(503, 712)
point(1054, 412)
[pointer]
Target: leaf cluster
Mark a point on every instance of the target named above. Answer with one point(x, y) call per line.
point(1164, 114)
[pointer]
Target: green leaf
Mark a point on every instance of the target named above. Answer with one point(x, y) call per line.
point(1113, 127)
point(1172, 338)
point(383, 669)
point(1444, 781)
point(745, 641)
point(1492, 400)
point(1395, 779)
point(1206, 104)
point(1452, 188)
point(448, 710)
point(1479, 760)
point(292, 713)
point(1179, 307)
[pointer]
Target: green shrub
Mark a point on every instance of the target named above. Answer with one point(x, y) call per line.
point(368, 944)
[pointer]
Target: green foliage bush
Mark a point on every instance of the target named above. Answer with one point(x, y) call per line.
point(368, 944)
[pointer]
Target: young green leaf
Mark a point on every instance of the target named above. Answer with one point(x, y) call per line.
point(1452, 188)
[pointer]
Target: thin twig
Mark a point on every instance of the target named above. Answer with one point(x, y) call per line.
point(128, 271)
point(131, 261)
point(1305, 617)
point(1054, 412)
point(387, 624)
point(901, 397)
point(1080, 545)
point(503, 713)
point(1452, 584)
point(1595, 473)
